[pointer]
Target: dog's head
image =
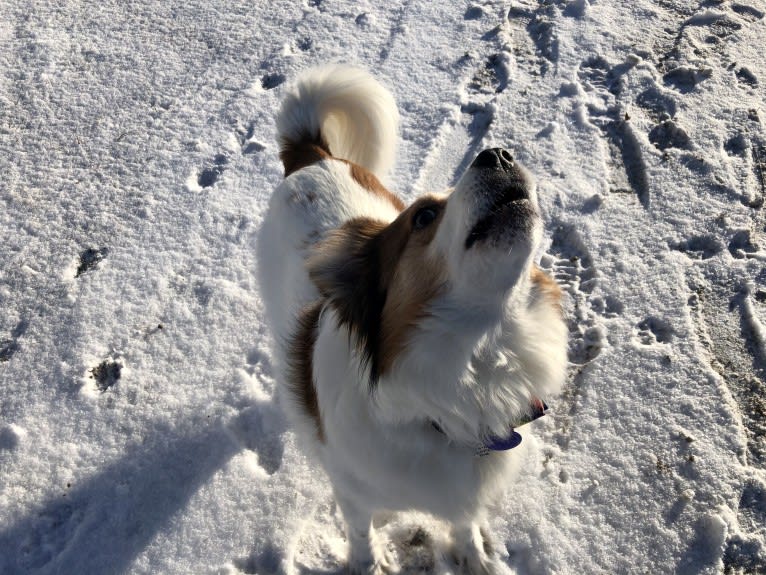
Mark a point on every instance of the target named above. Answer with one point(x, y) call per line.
point(466, 251)
point(489, 229)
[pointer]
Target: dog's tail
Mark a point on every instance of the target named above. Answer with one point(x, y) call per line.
point(345, 112)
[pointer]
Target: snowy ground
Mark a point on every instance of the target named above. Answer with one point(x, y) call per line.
point(137, 428)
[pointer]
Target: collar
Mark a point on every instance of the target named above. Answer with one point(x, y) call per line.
point(538, 408)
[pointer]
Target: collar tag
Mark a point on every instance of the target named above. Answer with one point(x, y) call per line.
point(499, 444)
point(539, 408)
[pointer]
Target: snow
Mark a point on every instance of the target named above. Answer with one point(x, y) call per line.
point(138, 430)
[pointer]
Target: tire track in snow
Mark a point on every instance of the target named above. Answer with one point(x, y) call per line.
point(727, 310)
point(729, 318)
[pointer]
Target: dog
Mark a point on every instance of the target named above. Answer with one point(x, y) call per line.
point(411, 341)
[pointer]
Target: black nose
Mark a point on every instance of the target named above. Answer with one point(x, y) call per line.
point(494, 158)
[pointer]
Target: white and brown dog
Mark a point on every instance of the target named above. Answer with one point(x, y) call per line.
point(411, 340)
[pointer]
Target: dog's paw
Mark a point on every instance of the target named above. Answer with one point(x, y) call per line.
point(477, 564)
point(374, 559)
point(381, 566)
point(473, 553)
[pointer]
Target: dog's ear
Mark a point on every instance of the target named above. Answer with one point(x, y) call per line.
point(346, 269)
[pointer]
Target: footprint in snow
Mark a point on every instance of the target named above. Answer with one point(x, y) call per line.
point(271, 81)
point(266, 561)
point(668, 134)
point(654, 330)
point(210, 175)
point(10, 437)
point(745, 76)
point(570, 263)
point(106, 374)
point(604, 82)
point(260, 429)
point(686, 78)
point(701, 247)
point(247, 141)
point(89, 259)
point(659, 104)
point(10, 346)
point(538, 26)
point(492, 78)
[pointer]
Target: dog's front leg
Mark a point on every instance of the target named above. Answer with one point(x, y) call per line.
point(367, 554)
point(472, 549)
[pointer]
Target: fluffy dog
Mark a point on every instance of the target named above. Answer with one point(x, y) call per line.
point(411, 339)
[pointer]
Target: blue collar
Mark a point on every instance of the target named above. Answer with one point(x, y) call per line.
point(503, 443)
point(513, 439)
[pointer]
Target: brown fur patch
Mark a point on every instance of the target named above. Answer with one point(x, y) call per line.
point(297, 155)
point(547, 287)
point(300, 365)
point(379, 279)
point(345, 268)
point(371, 183)
point(417, 279)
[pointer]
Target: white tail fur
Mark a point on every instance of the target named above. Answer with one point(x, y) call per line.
point(346, 109)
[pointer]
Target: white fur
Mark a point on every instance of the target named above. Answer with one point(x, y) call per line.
point(488, 345)
point(356, 116)
point(301, 210)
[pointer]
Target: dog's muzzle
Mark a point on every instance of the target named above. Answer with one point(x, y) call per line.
point(494, 158)
point(505, 200)
point(512, 179)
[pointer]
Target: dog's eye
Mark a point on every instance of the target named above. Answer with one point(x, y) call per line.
point(423, 217)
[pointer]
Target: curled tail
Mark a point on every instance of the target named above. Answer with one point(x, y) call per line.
point(342, 111)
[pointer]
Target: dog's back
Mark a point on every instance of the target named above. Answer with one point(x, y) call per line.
point(339, 125)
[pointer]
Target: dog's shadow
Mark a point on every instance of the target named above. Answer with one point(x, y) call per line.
point(100, 525)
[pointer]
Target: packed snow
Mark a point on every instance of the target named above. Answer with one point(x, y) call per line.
point(139, 431)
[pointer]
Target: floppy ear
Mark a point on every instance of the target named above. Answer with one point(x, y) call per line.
point(345, 267)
